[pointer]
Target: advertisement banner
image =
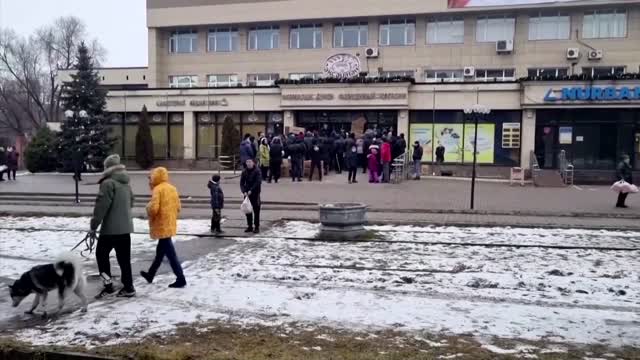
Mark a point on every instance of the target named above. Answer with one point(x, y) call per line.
point(424, 134)
point(450, 136)
point(481, 3)
point(486, 140)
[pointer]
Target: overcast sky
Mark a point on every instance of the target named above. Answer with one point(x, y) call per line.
point(120, 25)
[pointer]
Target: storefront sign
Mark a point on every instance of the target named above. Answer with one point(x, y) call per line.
point(609, 93)
point(342, 66)
point(485, 3)
point(194, 103)
point(345, 97)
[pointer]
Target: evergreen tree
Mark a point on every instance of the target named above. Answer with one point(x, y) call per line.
point(230, 139)
point(40, 155)
point(144, 141)
point(86, 127)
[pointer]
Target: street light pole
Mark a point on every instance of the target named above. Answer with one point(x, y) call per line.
point(70, 114)
point(476, 111)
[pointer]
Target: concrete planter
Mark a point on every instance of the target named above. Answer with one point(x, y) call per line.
point(342, 221)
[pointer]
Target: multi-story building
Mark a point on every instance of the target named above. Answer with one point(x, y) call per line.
point(557, 75)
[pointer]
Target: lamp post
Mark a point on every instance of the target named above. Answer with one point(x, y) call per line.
point(70, 115)
point(477, 111)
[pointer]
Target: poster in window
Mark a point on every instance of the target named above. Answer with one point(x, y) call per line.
point(450, 136)
point(566, 135)
point(481, 3)
point(424, 134)
point(486, 140)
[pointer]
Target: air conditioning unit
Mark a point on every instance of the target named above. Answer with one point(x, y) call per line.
point(504, 46)
point(372, 52)
point(469, 71)
point(573, 54)
point(595, 55)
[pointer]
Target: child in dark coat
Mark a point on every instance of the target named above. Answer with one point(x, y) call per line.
point(217, 203)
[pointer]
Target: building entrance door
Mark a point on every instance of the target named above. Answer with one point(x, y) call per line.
point(546, 149)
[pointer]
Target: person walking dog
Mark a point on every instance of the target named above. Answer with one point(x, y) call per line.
point(624, 173)
point(163, 211)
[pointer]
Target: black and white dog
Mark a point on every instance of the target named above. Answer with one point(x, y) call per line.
point(65, 274)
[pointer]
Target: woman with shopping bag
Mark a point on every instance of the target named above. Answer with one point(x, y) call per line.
point(625, 183)
point(250, 185)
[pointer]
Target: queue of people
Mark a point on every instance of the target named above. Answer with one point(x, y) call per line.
point(8, 163)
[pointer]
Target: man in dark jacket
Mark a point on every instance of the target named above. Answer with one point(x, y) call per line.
point(417, 160)
point(12, 163)
point(251, 186)
point(246, 150)
point(328, 153)
point(351, 158)
point(217, 203)
point(340, 150)
point(624, 173)
point(400, 146)
point(112, 213)
point(297, 151)
point(316, 155)
point(276, 151)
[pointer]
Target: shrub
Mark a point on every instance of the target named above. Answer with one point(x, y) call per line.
point(40, 155)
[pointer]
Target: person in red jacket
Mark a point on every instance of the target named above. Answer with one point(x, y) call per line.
point(385, 155)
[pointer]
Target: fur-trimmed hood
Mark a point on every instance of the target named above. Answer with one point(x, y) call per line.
point(117, 173)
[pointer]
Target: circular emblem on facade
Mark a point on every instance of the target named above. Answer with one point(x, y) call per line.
point(276, 117)
point(253, 118)
point(157, 118)
point(342, 66)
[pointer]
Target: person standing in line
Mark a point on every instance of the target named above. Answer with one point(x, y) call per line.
point(362, 157)
point(417, 160)
point(276, 152)
point(340, 149)
point(351, 159)
point(246, 150)
point(12, 163)
point(264, 158)
point(385, 157)
point(624, 173)
point(112, 213)
point(3, 163)
point(163, 211)
point(440, 151)
point(251, 186)
point(316, 159)
point(373, 165)
point(401, 145)
point(217, 204)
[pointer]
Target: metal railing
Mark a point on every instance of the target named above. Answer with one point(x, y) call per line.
point(566, 168)
point(400, 168)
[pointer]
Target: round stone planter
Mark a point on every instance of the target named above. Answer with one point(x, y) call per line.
point(342, 221)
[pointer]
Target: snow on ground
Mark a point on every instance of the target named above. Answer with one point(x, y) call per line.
point(582, 296)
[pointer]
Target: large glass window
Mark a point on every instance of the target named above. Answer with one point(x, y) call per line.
point(305, 36)
point(226, 80)
point(495, 74)
point(350, 35)
point(264, 37)
point(176, 136)
point(183, 42)
point(443, 75)
point(398, 32)
point(549, 26)
point(300, 76)
point(206, 136)
point(183, 81)
point(600, 24)
point(223, 40)
point(603, 70)
point(553, 72)
point(262, 79)
point(398, 73)
point(445, 31)
point(495, 28)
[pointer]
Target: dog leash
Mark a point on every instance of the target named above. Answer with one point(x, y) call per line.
point(89, 242)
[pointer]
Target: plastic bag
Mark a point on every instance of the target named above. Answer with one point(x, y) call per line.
point(3, 168)
point(246, 207)
point(624, 187)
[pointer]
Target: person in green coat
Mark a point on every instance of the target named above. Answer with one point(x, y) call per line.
point(112, 213)
point(264, 157)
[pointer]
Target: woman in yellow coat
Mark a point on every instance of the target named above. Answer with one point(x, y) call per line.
point(163, 210)
point(264, 158)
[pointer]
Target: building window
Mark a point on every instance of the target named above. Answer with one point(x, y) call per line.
point(495, 74)
point(599, 24)
point(603, 70)
point(262, 79)
point(398, 73)
point(228, 80)
point(307, 36)
point(264, 38)
point(183, 81)
point(443, 75)
point(346, 35)
point(183, 42)
point(445, 31)
point(223, 40)
point(398, 32)
point(550, 26)
point(495, 28)
point(550, 72)
point(300, 76)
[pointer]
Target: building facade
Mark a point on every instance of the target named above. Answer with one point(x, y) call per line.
point(559, 75)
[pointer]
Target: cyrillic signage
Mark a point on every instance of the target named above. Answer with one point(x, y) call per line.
point(593, 93)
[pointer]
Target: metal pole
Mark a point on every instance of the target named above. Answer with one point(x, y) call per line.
point(475, 152)
point(77, 190)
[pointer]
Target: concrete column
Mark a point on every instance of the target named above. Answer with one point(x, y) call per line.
point(527, 136)
point(189, 135)
point(403, 123)
point(155, 46)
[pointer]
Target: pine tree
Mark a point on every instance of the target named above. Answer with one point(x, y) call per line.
point(230, 139)
point(86, 128)
point(144, 141)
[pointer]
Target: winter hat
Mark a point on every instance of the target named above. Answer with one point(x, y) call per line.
point(111, 160)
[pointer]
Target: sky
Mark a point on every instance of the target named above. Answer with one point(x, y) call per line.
point(119, 25)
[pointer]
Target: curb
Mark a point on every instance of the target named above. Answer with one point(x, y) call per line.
point(15, 354)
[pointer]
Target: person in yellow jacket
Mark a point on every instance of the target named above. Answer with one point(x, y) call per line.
point(264, 157)
point(163, 210)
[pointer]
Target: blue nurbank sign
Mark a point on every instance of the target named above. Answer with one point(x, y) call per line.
point(609, 93)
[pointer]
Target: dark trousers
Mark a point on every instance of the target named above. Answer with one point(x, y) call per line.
point(77, 174)
point(253, 220)
point(352, 174)
point(275, 168)
point(339, 162)
point(216, 218)
point(362, 160)
point(622, 198)
point(265, 172)
point(12, 171)
point(122, 246)
point(165, 248)
point(297, 164)
point(314, 165)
